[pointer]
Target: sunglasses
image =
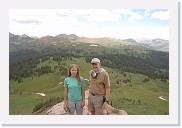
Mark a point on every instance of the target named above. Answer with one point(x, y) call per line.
point(94, 64)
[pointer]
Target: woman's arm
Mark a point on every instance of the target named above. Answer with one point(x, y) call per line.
point(65, 97)
point(83, 96)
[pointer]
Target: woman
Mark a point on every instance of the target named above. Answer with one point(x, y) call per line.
point(74, 91)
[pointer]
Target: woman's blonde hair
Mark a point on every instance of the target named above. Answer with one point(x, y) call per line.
point(78, 72)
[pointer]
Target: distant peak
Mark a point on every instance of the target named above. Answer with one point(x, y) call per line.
point(70, 37)
point(159, 39)
point(130, 40)
point(10, 34)
point(24, 35)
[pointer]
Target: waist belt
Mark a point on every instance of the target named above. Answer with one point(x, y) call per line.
point(96, 94)
point(93, 94)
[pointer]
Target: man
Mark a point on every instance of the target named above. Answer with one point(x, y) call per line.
point(99, 92)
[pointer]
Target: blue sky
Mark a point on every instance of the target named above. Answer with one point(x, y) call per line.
point(116, 23)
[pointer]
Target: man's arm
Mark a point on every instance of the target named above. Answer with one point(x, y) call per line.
point(107, 97)
point(107, 93)
point(90, 77)
point(107, 86)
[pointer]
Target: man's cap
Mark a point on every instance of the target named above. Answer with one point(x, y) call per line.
point(95, 61)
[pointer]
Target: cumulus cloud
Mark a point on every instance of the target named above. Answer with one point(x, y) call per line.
point(147, 12)
point(162, 15)
point(96, 15)
point(83, 22)
point(133, 16)
point(100, 15)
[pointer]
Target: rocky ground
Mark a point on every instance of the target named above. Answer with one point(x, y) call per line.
point(58, 109)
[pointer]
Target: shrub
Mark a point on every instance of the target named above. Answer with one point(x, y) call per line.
point(47, 103)
point(115, 110)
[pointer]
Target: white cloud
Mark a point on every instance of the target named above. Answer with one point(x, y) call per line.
point(29, 14)
point(139, 32)
point(147, 12)
point(130, 20)
point(102, 16)
point(96, 15)
point(162, 15)
point(133, 16)
point(122, 11)
point(149, 32)
point(136, 16)
point(54, 22)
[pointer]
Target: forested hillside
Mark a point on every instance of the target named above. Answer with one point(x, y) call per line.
point(39, 65)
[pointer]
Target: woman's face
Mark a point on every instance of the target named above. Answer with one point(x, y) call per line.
point(73, 71)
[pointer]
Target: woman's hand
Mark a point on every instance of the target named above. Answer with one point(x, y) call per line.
point(65, 105)
point(83, 103)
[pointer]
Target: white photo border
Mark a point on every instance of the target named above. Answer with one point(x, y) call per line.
point(171, 119)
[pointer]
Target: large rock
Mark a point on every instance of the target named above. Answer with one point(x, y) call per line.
point(59, 110)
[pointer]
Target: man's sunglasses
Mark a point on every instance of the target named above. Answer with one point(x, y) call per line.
point(94, 64)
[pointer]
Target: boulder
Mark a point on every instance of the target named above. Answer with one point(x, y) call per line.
point(59, 110)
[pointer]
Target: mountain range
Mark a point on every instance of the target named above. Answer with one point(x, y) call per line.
point(22, 42)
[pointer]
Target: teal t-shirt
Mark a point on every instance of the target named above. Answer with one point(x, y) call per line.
point(74, 89)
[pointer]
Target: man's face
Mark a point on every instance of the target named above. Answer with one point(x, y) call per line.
point(95, 66)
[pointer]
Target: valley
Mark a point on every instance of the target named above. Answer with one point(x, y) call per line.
point(138, 75)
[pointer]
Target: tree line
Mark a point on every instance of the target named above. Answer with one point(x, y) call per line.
point(28, 68)
point(24, 63)
point(156, 65)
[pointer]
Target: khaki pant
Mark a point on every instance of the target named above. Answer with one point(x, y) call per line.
point(95, 103)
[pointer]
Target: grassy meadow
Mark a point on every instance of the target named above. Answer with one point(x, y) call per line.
point(136, 98)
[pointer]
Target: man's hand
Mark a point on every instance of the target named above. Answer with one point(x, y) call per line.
point(105, 104)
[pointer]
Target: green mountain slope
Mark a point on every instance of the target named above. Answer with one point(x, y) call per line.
point(139, 76)
point(137, 97)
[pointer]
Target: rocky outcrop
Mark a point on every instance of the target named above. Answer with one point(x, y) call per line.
point(58, 109)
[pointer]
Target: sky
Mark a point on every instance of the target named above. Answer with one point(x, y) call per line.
point(92, 23)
